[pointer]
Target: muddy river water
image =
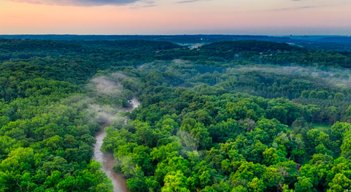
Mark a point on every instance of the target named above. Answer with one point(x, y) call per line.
point(107, 160)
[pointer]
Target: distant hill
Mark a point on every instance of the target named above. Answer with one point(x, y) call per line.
point(336, 43)
point(249, 45)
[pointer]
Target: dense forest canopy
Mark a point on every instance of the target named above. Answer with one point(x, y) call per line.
point(329, 42)
point(226, 116)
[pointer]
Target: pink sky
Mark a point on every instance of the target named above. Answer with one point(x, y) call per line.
point(276, 17)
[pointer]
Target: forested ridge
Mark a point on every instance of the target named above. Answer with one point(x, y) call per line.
point(227, 116)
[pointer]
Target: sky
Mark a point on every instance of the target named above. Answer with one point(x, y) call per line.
point(134, 17)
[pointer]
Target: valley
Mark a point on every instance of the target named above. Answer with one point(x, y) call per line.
point(143, 115)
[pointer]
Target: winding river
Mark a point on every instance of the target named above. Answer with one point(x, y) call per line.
point(107, 160)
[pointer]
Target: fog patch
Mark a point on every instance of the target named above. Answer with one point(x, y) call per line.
point(105, 114)
point(179, 62)
point(105, 100)
point(333, 76)
point(106, 86)
point(188, 142)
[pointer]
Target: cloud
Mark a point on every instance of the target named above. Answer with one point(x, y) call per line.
point(295, 8)
point(144, 4)
point(187, 1)
point(80, 2)
point(191, 1)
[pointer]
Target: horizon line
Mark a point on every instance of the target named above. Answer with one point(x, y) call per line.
point(176, 34)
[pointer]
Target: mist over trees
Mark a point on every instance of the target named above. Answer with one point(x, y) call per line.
point(227, 116)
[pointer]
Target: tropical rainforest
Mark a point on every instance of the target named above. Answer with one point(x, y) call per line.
point(224, 116)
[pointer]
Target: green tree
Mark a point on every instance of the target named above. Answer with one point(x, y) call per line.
point(175, 181)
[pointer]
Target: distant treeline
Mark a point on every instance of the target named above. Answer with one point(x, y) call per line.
point(338, 43)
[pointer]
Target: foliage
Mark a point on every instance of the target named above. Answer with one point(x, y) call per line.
point(229, 116)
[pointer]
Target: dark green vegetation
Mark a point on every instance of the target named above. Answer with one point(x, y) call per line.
point(339, 43)
point(229, 116)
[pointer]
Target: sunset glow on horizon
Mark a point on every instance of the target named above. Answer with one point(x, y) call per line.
point(275, 17)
